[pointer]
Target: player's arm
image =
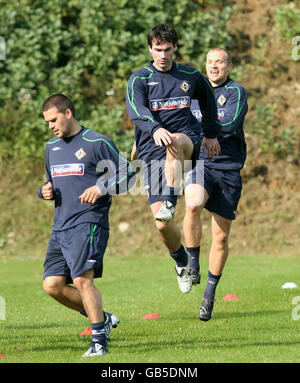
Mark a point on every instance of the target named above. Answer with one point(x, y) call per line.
point(115, 173)
point(207, 102)
point(138, 106)
point(46, 191)
point(210, 124)
point(133, 154)
point(235, 110)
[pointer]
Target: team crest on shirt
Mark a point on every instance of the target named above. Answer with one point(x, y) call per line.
point(80, 154)
point(222, 99)
point(185, 86)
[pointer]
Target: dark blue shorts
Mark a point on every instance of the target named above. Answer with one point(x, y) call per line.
point(73, 251)
point(154, 179)
point(224, 188)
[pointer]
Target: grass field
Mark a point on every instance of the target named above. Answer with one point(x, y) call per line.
point(256, 328)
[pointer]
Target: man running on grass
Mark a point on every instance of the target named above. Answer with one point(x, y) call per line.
point(83, 169)
point(222, 187)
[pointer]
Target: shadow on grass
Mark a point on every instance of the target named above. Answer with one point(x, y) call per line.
point(210, 344)
point(244, 314)
point(219, 314)
point(36, 326)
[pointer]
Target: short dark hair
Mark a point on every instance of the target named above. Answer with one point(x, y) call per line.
point(162, 33)
point(60, 102)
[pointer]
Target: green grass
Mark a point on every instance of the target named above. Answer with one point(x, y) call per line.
point(256, 328)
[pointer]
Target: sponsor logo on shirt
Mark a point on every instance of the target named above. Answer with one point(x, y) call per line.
point(197, 113)
point(170, 103)
point(67, 170)
point(221, 113)
point(153, 83)
point(56, 148)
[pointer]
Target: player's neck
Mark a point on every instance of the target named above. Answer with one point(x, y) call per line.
point(163, 69)
point(220, 83)
point(74, 129)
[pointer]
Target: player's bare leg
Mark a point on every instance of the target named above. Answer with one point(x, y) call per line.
point(169, 232)
point(92, 302)
point(69, 296)
point(195, 199)
point(218, 255)
point(91, 298)
point(180, 150)
point(171, 237)
point(217, 259)
point(57, 287)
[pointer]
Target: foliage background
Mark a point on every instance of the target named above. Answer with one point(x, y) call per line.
point(88, 49)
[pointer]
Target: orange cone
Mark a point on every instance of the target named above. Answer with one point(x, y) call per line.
point(87, 331)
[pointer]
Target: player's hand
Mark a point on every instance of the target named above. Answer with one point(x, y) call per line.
point(162, 137)
point(90, 195)
point(133, 152)
point(47, 191)
point(212, 146)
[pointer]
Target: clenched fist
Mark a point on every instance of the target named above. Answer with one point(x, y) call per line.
point(47, 191)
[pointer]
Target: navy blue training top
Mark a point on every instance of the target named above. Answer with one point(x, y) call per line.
point(232, 108)
point(162, 99)
point(77, 163)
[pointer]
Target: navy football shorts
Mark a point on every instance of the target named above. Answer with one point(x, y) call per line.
point(154, 179)
point(224, 188)
point(73, 251)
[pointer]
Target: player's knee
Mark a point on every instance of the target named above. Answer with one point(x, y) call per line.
point(195, 198)
point(52, 287)
point(79, 283)
point(221, 239)
point(193, 211)
point(178, 143)
point(178, 139)
point(182, 145)
point(162, 227)
point(83, 281)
